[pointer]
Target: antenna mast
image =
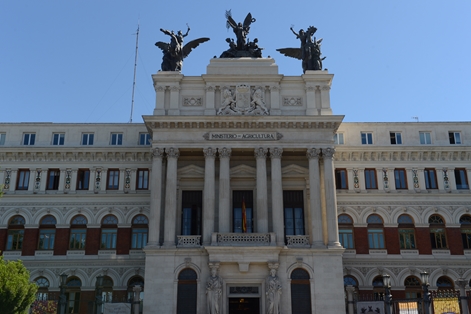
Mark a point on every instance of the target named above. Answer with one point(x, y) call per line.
point(135, 67)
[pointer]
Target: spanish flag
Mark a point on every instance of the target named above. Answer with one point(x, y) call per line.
point(244, 216)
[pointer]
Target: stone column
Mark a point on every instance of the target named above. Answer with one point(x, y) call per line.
point(277, 194)
point(209, 194)
point(461, 283)
point(171, 197)
point(262, 204)
point(224, 190)
point(350, 291)
point(155, 197)
point(315, 198)
point(330, 197)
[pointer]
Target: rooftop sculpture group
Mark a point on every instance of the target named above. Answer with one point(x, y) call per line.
point(174, 51)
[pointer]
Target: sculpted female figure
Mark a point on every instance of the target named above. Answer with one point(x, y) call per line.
point(214, 292)
point(273, 293)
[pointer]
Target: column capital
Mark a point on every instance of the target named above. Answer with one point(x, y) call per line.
point(328, 152)
point(172, 152)
point(224, 152)
point(209, 152)
point(157, 152)
point(313, 153)
point(261, 152)
point(276, 152)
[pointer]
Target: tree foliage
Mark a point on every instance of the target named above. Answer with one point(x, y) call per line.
point(16, 291)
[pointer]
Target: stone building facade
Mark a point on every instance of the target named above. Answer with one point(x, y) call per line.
point(244, 172)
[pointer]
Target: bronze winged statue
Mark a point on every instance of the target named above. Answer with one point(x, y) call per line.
point(174, 52)
point(242, 47)
point(310, 51)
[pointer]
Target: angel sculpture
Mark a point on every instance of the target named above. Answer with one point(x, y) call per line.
point(242, 47)
point(174, 52)
point(310, 51)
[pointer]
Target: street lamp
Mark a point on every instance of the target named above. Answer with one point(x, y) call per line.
point(424, 277)
point(387, 292)
point(62, 298)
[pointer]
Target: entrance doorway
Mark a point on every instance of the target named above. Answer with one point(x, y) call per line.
point(244, 305)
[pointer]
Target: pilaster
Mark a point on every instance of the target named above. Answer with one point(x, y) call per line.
point(224, 189)
point(209, 194)
point(262, 205)
point(171, 197)
point(277, 194)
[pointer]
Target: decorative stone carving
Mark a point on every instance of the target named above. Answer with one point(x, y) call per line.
point(261, 152)
point(313, 153)
point(209, 152)
point(97, 180)
point(192, 101)
point(274, 289)
point(6, 185)
point(415, 179)
point(172, 152)
point(446, 182)
point(68, 177)
point(356, 181)
point(214, 290)
point(157, 152)
point(127, 180)
point(385, 179)
point(328, 152)
point(224, 152)
point(246, 101)
point(292, 101)
point(37, 180)
point(276, 152)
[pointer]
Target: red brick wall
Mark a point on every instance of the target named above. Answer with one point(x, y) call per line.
point(398, 294)
point(391, 239)
point(455, 243)
point(92, 244)
point(30, 242)
point(124, 241)
point(62, 241)
point(423, 240)
point(361, 240)
point(3, 239)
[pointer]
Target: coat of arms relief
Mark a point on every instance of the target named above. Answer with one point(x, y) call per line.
point(243, 100)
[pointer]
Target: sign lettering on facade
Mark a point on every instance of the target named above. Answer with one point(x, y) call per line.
point(249, 136)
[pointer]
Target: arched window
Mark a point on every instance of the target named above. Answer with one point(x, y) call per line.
point(465, 222)
point(47, 233)
point(406, 232)
point(350, 281)
point(109, 232)
point(187, 294)
point(346, 231)
point(413, 287)
point(43, 287)
point(445, 283)
point(378, 288)
point(107, 290)
point(136, 281)
point(15, 233)
point(78, 233)
point(375, 232)
point(72, 293)
point(139, 232)
point(300, 292)
point(437, 232)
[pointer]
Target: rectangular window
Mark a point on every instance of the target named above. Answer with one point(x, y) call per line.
point(138, 238)
point(425, 138)
point(108, 239)
point(293, 204)
point(370, 179)
point(142, 179)
point(58, 138)
point(144, 139)
point(466, 236)
point(407, 238)
point(338, 139)
point(23, 179)
point(83, 179)
point(400, 179)
point(376, 238)
point(366, 138)
point(430, 179)
point(2, 138)
point(242, 221)
point(116, 139)
point(15, 240)
point(455, 137)
point(53, 176)
point(438, 238)
point(113, 179)
point(341, 179)
point(461, 179)
point(29, 138)
point(395, 137)
point(192, 202)
point(46, 239)
point(77, 239)
point(346, 238)
point(87, 138)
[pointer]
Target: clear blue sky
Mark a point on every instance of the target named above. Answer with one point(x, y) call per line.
point(72, 60)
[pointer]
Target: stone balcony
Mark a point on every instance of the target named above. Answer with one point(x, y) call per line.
point(243, 239)
point(189, 241)
point(298, 241)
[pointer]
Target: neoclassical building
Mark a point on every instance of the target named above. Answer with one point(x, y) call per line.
point(238, 175)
